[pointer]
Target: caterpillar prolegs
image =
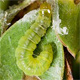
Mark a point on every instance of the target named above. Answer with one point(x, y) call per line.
point(27, 44)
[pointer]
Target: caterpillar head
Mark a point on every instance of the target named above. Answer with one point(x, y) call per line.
point(45, 9)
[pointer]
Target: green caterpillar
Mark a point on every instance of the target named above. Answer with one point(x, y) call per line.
point(27, 44)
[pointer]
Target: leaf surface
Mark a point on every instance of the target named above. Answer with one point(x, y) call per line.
point(69, 13)
point(8, 44)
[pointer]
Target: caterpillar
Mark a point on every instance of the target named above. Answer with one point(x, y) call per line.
point(25, 60)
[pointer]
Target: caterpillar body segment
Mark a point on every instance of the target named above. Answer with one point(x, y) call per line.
point(27, 44)
point(34, 66)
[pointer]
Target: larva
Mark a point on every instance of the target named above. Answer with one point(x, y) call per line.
point(27, 44)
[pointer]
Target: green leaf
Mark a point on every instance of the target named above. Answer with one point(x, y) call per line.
point(70, 19)
point(56, 70)
point(9, 42)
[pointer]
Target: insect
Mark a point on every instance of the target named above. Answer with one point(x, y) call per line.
point(28, 43)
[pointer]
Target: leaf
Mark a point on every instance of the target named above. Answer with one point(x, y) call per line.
point(69, 26)
point(56, 70)
point(9, 42)
point(9, 14)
